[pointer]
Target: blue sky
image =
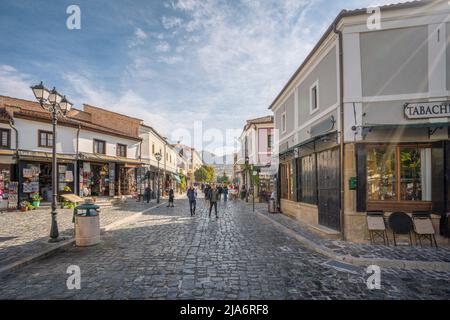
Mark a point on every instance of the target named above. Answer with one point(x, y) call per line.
point(168, 62)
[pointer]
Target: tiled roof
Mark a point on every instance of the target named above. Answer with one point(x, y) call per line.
point(71, 122)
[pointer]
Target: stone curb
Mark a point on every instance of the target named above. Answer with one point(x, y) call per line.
point(69, 242)
point(385, 263)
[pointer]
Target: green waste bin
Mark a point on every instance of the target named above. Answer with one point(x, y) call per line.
point(87, 224)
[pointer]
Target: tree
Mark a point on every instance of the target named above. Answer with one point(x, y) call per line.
point(204, 174)
point(223, 179)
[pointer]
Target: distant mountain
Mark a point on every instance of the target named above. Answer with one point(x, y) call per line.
point(210, 158)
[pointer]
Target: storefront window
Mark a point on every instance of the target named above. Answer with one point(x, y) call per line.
point(411, 164)
point(381, 177)
point(415, 170)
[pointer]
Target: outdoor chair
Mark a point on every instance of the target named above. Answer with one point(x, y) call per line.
point(377, 226)
point(401, 223)
point(423, 227)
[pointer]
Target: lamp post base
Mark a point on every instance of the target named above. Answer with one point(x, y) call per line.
point(56, 240)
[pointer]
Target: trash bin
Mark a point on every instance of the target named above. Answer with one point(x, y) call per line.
point(87, 225)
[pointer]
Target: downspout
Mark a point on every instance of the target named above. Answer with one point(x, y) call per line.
point(342, 145)
point(17, 170)
point(77, 158)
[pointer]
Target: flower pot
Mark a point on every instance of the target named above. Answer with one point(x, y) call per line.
point(36, 204)
point(23, 209)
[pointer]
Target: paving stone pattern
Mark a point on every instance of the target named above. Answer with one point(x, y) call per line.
point(167, 254)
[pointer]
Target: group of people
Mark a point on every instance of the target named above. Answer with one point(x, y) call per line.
point(213, 194)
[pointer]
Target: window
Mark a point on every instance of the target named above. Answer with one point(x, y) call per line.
point(269, 141)
point(99, 146)
point(283, 122)
point(5, 138)
point(286, 180)
point(153, 148)
point(121, 150)
point(314, 98)
point(45, 139)
point(399, 173)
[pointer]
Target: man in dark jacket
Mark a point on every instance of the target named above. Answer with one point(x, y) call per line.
point(192, 196)
point(171, 198)
point(213, 198)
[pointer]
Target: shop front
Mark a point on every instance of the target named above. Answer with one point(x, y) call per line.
point(8, 181)
point(107, 176)
point(309, 182)
point(35, 175)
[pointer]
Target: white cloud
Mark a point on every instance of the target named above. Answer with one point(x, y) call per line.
point(14, 83)
point(140, 34)
point(138, 38)
point(171, 22)
point(163, 46)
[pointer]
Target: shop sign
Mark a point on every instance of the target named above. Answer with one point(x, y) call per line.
point(427, 110)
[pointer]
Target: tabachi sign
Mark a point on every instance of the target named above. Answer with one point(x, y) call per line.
point(427, 110)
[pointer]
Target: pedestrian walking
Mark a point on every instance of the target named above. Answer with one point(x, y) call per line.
point(148, 194)
point(225, 193)
point(171, 198)
point(192, 196)
point(207, 193)
point(213, 198)
point(220, 189)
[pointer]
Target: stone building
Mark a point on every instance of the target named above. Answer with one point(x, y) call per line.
point(364, 121)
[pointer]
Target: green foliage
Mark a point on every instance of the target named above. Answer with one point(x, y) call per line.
point(223, 179)
point(205, 174)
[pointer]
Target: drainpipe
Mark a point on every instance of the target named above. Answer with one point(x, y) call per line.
point(17, 170)
point(77, 158)
point(342, 145)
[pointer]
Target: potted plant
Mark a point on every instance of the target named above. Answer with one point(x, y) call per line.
point(36, 200)
point(23, 207)
point(29, 205)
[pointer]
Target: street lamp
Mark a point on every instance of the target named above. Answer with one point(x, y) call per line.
point(57, 105)
point(158, 158)
point(247, 160)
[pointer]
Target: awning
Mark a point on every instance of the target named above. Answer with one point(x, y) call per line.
point(104, 158)
point(7, 156)
point(177, 178)
point(44, 156)
point(306, 142)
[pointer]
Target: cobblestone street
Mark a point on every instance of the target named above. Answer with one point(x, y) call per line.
point(166, 254)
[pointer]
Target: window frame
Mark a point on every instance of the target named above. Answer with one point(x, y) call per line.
point(118, 148)
point(283, 122)
point(398, 203)
point(47, 133)
point(99, 141)
point(8, 139)
point(316, 109)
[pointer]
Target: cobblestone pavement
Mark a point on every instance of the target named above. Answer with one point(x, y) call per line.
point(401, 252)
point(166, 254)
point(23, 233)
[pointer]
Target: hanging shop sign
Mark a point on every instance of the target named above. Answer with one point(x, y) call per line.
point(427, 110)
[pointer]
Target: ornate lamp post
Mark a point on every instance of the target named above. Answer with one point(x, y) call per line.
point(57, 105)
point(247, 160)
point(158, 158)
